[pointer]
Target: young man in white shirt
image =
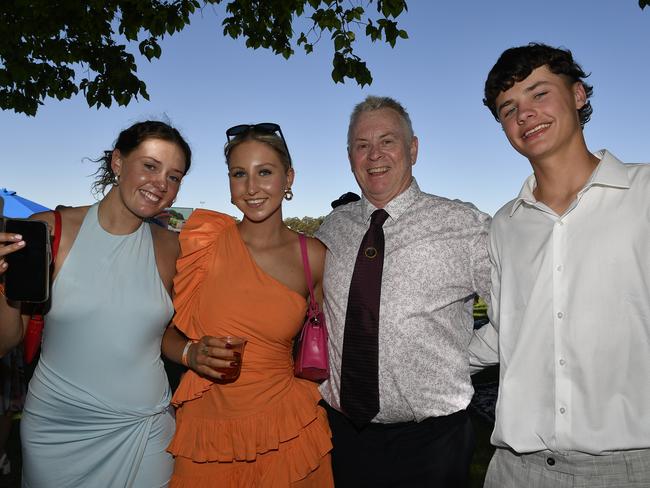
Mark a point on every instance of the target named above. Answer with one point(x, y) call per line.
point(570, 290)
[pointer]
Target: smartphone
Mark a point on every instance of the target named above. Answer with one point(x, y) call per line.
point(27, 278)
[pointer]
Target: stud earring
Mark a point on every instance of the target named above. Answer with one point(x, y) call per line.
point(288, 194)
point(116, 180)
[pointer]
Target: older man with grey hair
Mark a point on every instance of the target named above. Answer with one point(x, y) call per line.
point(402, 270)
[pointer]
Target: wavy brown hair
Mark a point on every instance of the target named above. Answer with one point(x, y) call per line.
point(517, 63)
point(128, 140)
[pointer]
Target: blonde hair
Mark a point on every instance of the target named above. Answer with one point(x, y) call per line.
point(273, 140)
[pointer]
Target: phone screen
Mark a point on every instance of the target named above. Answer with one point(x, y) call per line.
point(27, 278)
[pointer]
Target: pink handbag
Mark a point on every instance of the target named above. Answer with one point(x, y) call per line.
point(311, 361)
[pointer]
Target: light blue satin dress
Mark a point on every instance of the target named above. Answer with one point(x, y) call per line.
point(97, 411)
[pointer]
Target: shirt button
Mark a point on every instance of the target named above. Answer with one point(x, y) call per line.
point(562, 410)
point(561, 223)
point(562, 362)
point(550, 461)
point(560, 315)
point(560, 267)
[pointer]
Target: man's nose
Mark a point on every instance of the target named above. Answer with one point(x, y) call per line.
point(374, 152)
point(524, 112)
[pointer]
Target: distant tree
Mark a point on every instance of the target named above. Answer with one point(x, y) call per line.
point(644, 3)
point(306, 225)
point(480, 308)
point(176, 214)
point(58, 48)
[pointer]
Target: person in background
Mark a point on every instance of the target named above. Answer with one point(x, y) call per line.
point(346, 198)
point(246, 279)
point(399, 384)
point(97, 411)
point(12, 399)
point(570, 317)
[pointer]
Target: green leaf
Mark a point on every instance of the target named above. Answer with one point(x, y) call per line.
point(391, 8)
point(45, 43)
point(339, 42)
point(373, 32)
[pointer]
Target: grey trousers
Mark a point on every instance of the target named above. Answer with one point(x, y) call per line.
point(546, 469)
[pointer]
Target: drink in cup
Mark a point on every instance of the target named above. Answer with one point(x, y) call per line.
point(236, 345)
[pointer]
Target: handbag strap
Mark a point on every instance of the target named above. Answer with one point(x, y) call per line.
point(305, 264)
point(57, 234)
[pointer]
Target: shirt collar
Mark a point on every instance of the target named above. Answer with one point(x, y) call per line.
point(397, 206)
point(609, 172)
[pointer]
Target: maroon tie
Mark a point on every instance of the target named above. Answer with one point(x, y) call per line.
point(360, 362)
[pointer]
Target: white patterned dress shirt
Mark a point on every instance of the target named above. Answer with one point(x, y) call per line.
point(571, 304)
point(435, 261)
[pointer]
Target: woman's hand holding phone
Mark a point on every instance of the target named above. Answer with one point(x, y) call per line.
point(11, 323)
point(9, 242)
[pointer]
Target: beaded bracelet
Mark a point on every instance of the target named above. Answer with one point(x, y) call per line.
point(2, 289)
point(186, 350)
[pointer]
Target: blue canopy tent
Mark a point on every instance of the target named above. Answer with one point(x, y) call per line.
point(16, 206)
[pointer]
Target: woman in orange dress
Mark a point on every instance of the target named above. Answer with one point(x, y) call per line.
point(264, 429)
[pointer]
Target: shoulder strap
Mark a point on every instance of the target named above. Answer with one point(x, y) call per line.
point(305, 263)
point(57, 234)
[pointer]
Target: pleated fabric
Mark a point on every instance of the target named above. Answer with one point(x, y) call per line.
point(266, 428)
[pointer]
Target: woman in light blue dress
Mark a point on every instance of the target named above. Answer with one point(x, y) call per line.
point(97, 411)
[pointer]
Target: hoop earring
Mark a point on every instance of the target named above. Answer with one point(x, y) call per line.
point(288, 194)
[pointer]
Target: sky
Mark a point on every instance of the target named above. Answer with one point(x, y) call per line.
point(205, 83)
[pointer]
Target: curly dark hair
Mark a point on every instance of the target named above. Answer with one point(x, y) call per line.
point(129, 139)
point(515, 64)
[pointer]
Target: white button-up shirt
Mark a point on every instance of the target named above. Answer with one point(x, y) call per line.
point(435, 261)
point(571, 316)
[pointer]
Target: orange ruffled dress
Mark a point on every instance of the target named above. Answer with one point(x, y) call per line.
point(266, 428)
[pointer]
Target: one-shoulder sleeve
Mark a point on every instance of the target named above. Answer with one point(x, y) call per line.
point(197, 240)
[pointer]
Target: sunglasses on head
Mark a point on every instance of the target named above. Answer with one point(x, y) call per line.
point(264, 127)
